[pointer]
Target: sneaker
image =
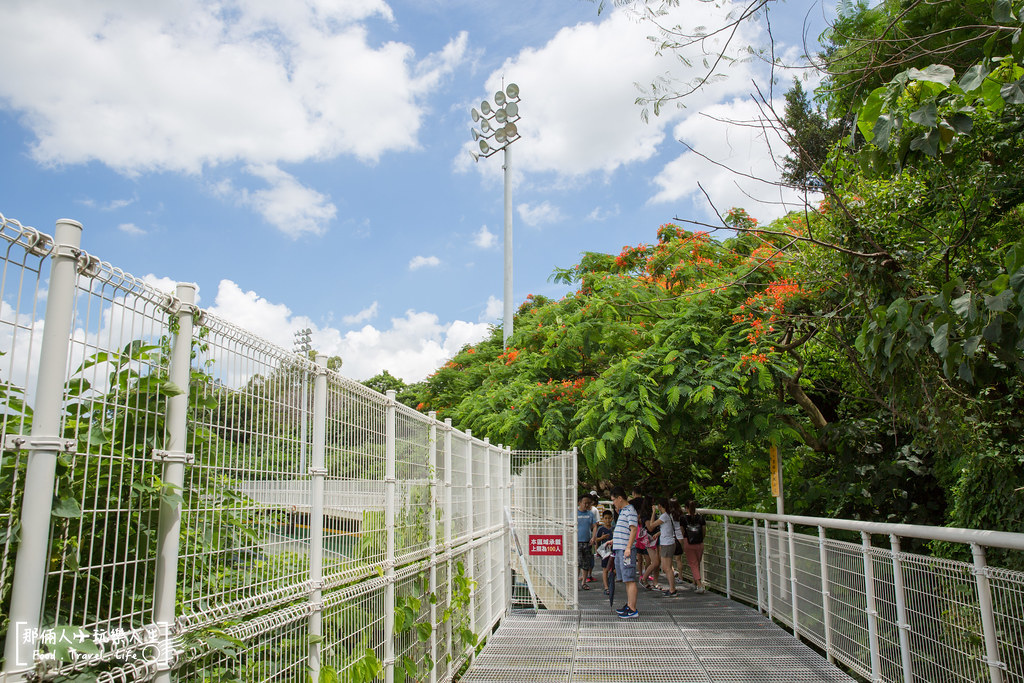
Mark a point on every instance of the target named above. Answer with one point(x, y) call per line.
point(702, 589)
point(629, 614)
point(623, 609)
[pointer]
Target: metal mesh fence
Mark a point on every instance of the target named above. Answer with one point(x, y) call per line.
point(886, 614)
point(543, 511)
point(223, 509)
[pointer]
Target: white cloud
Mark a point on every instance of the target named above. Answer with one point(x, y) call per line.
point(484, 238)
point(745, 173)
point(185, 86)
point(131, 229)
point(414, 346)
point(362, 316)
point(539, 214)
point(287, 204)
point(601, 213)
point(418, 262)
point(579, 90)
point(494, 309)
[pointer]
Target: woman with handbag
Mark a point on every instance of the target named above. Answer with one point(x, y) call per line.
point(693, 542)
point(666, 524)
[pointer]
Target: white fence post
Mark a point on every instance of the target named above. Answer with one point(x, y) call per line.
point(728, 566)
point(826, 594)
point(432, 447)
point(471, 528)
point(29, 583)
point(768, 567)
point(988, 622)
point(757, 568)
point(901, 610)
point(317, 473)
point(389, 532)
point(488, 548)
point(869, 595)
point(174, 458)
point(448, 512)
point(793, 581)
point(506, 464)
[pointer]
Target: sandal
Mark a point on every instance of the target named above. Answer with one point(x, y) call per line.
point(672, 593)
point(584, 587)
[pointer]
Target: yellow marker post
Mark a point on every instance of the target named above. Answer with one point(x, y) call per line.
point(773, 453)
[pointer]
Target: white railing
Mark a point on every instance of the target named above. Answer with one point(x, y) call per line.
point(182, 500)
point(885, 613)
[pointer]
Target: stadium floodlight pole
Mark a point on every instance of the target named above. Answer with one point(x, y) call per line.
point(497, 132)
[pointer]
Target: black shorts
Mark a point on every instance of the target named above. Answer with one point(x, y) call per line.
point(585, 555)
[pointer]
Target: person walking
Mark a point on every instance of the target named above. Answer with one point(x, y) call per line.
point(649, 570)
point(586, 531)
point(623, 545)
point(694, 526)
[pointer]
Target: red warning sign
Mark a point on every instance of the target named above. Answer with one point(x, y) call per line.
point(545, 544)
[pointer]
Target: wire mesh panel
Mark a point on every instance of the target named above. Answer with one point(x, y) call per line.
point(243, 544)
point(543, 504)
point(412, 521)
point(355, 462)
point(460, 484)
point(275, 548)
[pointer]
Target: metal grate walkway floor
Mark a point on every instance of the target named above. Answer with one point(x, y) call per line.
point(701, 638)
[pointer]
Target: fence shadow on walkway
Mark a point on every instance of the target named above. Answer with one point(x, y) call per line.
point(701, 638)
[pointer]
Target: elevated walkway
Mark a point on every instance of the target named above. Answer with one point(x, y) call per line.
point(700, 638)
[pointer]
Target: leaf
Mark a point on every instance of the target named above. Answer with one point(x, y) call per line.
point(936, 73)
point(927, 143)
point(1000, 303)
point(973, 78)
point(883, 130)
point(423, 632)
point(993, 330)
point(169, 388)
point(1002, 12)
point(940, 342)
point(1012, 93)
point(630, 435)
point(963, 306)
point(926, 115)
point(66, 508)
point(971, 345)
point(868, 114)
point(961, 123)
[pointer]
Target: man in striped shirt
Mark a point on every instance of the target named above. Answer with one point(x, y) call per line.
point(623, 545)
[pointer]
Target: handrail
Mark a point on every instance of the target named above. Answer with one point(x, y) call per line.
point(989, 539)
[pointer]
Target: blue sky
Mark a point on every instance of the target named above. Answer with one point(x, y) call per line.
point(307, 163)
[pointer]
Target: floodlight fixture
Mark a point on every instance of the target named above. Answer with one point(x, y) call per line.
point(492, 137)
